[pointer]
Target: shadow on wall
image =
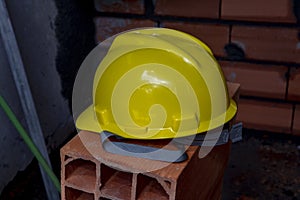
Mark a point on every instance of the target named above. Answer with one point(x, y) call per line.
point(297, 10)
point(75, 34)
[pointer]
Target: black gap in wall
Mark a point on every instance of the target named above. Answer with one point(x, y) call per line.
point(75, 32)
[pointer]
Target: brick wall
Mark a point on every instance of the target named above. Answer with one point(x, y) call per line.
point(256, 42)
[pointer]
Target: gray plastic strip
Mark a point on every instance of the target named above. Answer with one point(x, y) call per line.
point(140, 151)
point(166, 155)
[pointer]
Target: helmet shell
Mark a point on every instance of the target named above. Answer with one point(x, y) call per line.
point(157, 83)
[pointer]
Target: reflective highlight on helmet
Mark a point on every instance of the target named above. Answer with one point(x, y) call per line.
point(156, 102)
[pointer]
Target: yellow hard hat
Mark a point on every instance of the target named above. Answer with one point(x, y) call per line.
point(157, 83)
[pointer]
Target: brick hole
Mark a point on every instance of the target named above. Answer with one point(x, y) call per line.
point(73, 194)
point(81, 174)
point(149, 188)
point(115, 184)
point(234, 51)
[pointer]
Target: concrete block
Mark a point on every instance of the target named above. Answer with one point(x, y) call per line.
point(265, 115)
point(215, 36)
point(256, 10)
point(268, 43)
point(191, 8)
point(257, 80)
point(120, 6)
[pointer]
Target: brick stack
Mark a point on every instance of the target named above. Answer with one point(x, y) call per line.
point(262, 47)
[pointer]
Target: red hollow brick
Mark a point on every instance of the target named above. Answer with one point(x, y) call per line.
point(191, 8)
point(257, 80)
point(266, 43)
point(257, 10)
point(90, 172)
point(268, 116)
point(108, 26)
point(215, 36)
point(294, 85)
point(296, 126)
point(120, 6)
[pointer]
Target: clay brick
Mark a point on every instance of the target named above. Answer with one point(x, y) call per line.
point(268, 116)
point(108, 26)
point(257, 10)
point(90, 172)
point(266, 43)
point(257, 80)
point(191, 8)
point(296, 126)
point(294, 85)
point(215, 36)
point(120, 6)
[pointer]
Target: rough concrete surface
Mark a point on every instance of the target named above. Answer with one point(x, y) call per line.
point(263, 166)
point(74, 30)
point(10, 141)
point(33, 23)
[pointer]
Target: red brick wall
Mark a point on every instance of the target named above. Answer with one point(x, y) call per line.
point(262, 40)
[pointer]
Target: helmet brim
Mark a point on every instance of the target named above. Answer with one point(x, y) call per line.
point(87, 120)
